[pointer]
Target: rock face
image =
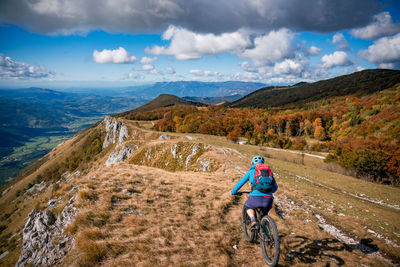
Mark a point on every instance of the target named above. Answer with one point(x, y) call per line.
point(44, 241)
point(112, 128)
point(123, 135)
point(124, 153)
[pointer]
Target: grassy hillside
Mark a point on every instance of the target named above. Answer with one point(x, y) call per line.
point(360, 83)
point(161, 207)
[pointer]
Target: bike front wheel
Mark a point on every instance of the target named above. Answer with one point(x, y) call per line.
point(246, 223)
point(269, 240)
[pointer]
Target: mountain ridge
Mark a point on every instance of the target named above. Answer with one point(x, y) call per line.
point(363, 82)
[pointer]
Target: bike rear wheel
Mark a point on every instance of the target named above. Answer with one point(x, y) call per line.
point(269, 241)
point(246, 223)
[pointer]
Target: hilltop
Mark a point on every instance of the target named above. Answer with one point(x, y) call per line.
point(162, 101)
point(360, 83)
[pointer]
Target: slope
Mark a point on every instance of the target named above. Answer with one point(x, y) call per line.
point(363, 82)
point(119, 195)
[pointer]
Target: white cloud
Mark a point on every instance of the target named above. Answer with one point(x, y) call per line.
point(384, 51)
point(289, 66)
point(190, 45)
point(360, 68)
point(340, 41)
point(387, 65)
point(170, 70)
point(155, 72)
point(204, 73)
point(147, 67)
point(117, 56)
point(313, 50)
point(148, 60)
point(381, 26)
point(133, 76)
point(270, 48)
point(338, 58)
point(18, 70)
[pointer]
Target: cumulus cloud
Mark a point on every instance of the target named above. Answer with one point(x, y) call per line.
point(215, 16)
point(340, 41)
point(170, 70)
point(10, 69)
point(117, 56)
point(270, 48)
point(204, 73)
point(186, 45)
point(148, 60)
point(338, 58)
point(289, 66)
point(313, 50)
point(382, 25)
point(385, 52)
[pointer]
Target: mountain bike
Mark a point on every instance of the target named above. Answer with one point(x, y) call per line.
point(266, 231)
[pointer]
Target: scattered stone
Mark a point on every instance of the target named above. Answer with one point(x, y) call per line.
point(129, 192)
point(205, 164)
point(194, 152)
point(6, 191)
point(174, 150)
point(164, 137)
point(36, 188)
point(235, 247)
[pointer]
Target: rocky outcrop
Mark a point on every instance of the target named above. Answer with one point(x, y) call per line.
point(112, 128)
point(123, 135)
point(35, 189)
point(125, 152)
point(45, 243)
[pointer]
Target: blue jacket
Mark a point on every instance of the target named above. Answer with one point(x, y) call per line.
point(249, 176)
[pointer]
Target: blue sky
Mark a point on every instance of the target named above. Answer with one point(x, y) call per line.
point(58, 43)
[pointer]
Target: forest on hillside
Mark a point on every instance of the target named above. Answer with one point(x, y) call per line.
point(361, 132)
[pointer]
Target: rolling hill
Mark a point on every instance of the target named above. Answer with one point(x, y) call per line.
point(162, 101)
point(363, 82)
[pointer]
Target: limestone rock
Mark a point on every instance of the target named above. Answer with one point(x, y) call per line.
point(44, 241)
point(112, 128)
point(115, 157)
point(123, 135)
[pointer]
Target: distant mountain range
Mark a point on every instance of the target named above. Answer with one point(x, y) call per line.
point(198, 89)
point(214, 100)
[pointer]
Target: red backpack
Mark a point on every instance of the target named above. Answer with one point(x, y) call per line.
point(263, 178)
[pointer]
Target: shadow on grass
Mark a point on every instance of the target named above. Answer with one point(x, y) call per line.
point(310, 251)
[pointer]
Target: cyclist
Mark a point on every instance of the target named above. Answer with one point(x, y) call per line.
point(256, 198)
